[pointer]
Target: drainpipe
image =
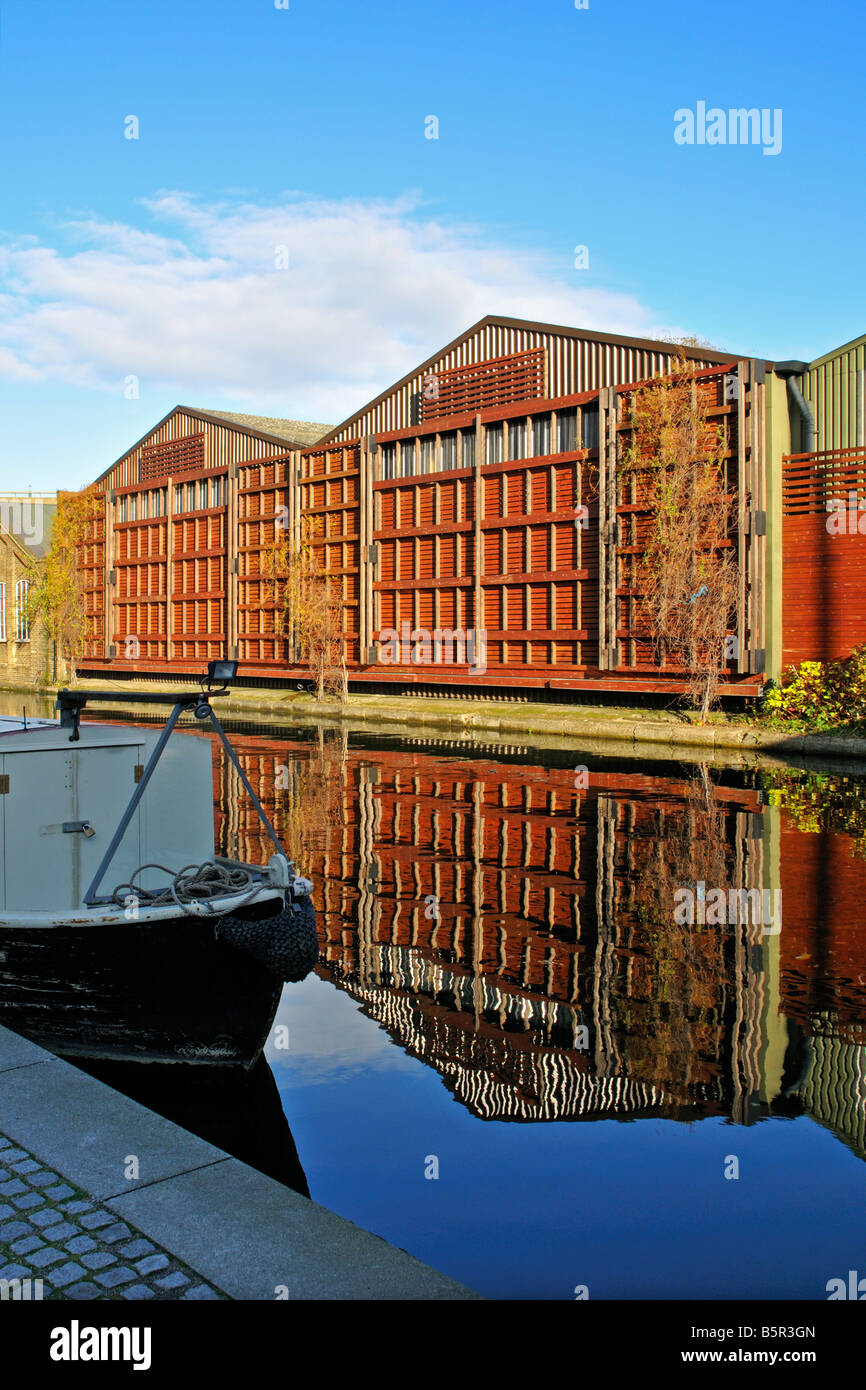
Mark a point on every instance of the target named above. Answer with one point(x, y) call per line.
point(788, 371)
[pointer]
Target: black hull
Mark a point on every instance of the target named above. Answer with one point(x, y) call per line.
point(169, 992)
point(239, 1111)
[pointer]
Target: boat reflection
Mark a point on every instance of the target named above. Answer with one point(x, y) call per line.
point(171, 1017)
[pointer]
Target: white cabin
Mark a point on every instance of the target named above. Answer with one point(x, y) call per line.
point(49, 786)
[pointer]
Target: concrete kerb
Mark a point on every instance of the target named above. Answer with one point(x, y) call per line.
point(253, 1235)
point(527, 722)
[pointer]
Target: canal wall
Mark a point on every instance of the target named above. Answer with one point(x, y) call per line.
point(102, 1198)
point(616, 731)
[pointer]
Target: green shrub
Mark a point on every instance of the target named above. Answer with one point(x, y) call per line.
point(820, 802)
point(820, 694)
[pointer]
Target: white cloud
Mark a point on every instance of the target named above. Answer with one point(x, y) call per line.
point(329, 1037)
point(202, 311)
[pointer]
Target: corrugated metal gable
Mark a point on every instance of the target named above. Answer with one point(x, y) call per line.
point(576, 361)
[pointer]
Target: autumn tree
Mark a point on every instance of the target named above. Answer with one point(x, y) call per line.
point(310, 609)
point(311, 804)
point(672, 1016)
point(691, 340)
point(684, 570)
point(56, 593)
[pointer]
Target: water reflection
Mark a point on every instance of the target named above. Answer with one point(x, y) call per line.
point(516, 929)
point(509, 920)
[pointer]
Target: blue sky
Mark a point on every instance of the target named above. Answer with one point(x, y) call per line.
point(261, 128)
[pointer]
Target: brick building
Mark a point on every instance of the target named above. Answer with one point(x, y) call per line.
point(26, 654)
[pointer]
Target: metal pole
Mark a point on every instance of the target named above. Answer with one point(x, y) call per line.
point(255, 800)
point(90, 897)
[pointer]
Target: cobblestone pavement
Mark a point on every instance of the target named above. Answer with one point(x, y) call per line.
point(52, 1231)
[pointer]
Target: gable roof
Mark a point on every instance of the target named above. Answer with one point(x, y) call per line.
point(838, 351)
point(25, 555)
point(528, 325)
point(302, 433)
point(294, 431)
point(29, 549)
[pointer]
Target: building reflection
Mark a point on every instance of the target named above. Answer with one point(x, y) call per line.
point(511, 924)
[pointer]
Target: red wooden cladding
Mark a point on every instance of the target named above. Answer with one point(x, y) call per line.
point(817, 482)
point(519, 376)
point(636, 649)
point(140, 597)
point(529, 546)
point(172, 456)
point(823, 555)
point(93, 574)
point(503, 547)
point(261, 510)
point(536, 587)
point(329, 505)
point(168, 599)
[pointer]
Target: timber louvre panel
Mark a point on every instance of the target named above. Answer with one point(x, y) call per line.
point(823, 554)
point(329, 504)
point(189, 509)
point(627, 642)
point(93, 565)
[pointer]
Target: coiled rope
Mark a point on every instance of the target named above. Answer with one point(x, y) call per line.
point(193, 887)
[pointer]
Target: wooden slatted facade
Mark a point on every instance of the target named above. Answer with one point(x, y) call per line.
point(493, 545)
point(824, 554)
point(262, 501)
point(93, 567)
point(513, 526)
point(173, 578)
point(329, 502)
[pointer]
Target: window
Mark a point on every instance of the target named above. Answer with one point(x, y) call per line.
point(133, 507)
point(202, 494)
point(590, 429)
point(540, 435)
point(217, 492)
point(389, 460)
point(145, 510)
point(121, 509)
point(516, 439)
point(190, 497)
point(178, 499)
point(2, 612)
point(407, 458)
point(428, 454)
point(493, 444)
point(566, 426)
point(468, 448)
point(22, 626)
point(448, 444)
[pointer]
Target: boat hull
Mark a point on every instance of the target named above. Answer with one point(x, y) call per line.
point(169, 992)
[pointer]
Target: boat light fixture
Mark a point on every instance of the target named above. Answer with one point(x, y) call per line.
point(221, 672)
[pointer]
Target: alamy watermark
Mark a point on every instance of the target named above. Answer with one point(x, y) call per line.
point(716, 907)
point(21, 1290)
point(846, 518)
point(418, 646)
point(23, 518)
point(735, 126)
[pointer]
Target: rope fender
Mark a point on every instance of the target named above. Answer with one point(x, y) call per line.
point(286, 943)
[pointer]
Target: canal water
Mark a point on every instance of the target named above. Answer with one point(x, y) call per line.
point(580, 1027)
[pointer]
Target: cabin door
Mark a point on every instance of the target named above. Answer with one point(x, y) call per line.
point(47, 868)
